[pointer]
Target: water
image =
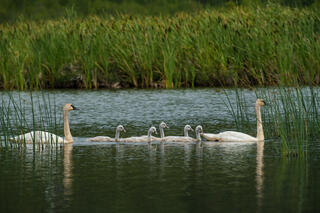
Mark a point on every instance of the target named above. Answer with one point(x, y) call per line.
point(207, 177)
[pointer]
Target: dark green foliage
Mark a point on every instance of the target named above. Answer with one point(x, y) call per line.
point(242, 46)
point(10, 10)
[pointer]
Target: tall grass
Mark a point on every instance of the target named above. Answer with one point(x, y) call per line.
point(290, 116)
point(22, 113)
point(241, 46)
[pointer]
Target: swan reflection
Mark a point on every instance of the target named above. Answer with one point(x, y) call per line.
point(67, 178)
point(259, 173)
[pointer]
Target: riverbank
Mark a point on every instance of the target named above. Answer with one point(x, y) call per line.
point(271, 45)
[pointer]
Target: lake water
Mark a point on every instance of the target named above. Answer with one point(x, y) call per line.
point(109, 177)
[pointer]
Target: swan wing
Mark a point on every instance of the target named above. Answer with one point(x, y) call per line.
point(211, 137)
point(135, 139)
point(23, 138)
point(178, 139)
point(47, 137)
point(232, 136)
point(101, 139)
point(38, 137)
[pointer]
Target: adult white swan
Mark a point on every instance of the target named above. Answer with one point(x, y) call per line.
point(144, 138)
point(119, 129)
point(47, 137)
point(232, 136)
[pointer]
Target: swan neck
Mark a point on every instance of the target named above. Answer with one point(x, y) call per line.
point(117, 136)
point(260, 134)
point(149, 136)
point(161, 132)
point(67, 133)
point(198, 136)
point(186, 134)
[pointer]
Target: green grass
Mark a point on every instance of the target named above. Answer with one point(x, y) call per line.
point(291, 116)
point(241, 46)
point(23, 113)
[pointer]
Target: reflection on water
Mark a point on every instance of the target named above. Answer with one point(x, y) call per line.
point(67, 174)
point(259, 177)
point(161, 177)
point(141, 177)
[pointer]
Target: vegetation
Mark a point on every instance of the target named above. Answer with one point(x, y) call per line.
point(269, 45)
point(10, 11)
point(291, 115)
point(33, 112)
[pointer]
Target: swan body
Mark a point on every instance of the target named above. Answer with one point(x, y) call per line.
point(119, 129)
point(229, 136)
point(185, 138)
point(178, 139)
point(102, 139)
point(47, 137)
point(232, 136)
point(38, 137)
point(145, 138)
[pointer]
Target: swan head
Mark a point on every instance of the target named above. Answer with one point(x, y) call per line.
point(260, 102)
point(120, 128)
point(199, 129)
point(153, 130)
point(188, 128)
point(163, 125)
point(69, 107)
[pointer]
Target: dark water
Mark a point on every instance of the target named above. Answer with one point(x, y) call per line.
point(207, 177)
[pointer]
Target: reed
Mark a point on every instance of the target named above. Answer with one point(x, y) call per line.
point(291, 116)
point(22, 113)
point(267, 45)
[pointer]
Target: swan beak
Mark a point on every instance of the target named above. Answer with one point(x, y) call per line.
point(192, 130)
point(264, 103)
point(167, 127)
point(74, 108)
point(124, 130)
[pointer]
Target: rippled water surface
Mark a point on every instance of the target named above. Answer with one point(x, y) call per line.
point(109, 177)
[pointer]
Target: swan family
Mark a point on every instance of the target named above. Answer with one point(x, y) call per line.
point(228, 136)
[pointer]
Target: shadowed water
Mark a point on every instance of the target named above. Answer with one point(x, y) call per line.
point(104, 177)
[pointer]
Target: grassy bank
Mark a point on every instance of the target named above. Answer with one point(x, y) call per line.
point(242, 46)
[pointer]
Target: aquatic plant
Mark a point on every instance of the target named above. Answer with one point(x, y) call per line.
point(20, 114)
point(268, 45)
point(291, 116)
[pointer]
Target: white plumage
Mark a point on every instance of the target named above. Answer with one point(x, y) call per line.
point(38, 137)
point(185, 138)
point(119, 129)
point(232, 136)
point(229, 136)
point(47, 137)
point(145, 138)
